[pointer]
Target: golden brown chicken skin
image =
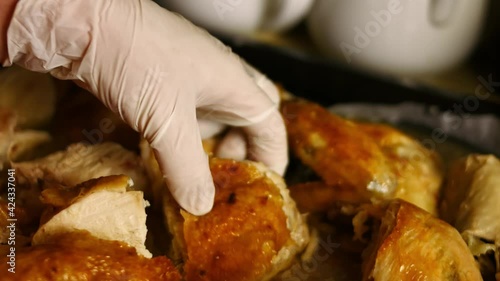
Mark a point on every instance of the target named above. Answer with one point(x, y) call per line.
point(411, 244)
point(80, 256)
point(220, 243)
point(253, 231)
point(471, 203)
point(335, 148)
point(227, 246)
point(358, 162)
point(419, 171)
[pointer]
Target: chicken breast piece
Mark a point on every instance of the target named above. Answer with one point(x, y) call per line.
point(81, 162)
point(81, 256)
point(253, 232)
point(19, 145)
point(101, 206)
point(411, 244)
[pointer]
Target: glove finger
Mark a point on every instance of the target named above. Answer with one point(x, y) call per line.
point(180, 154)
point(209, 128)
point(233, 145)
point(243, 103)
point(268, 143)
point(263, 82)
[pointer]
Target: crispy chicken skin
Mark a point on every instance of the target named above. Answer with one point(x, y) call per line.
point(253, 232)
point(471, 203)
point(80, 256)
point(411, 244)
point(242, 237)
point(24, 222)
point(358, 163)
point(338, 151)
point(81, 162)
point(419, 171)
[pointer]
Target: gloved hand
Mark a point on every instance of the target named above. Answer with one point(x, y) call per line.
point(158, 72)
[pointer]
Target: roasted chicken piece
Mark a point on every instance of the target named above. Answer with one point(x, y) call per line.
point(101, 206)
point(81, 162)
point(419, 171)
point(253, 231)
point(411, 244)
point(358, 163)
point(18, 145)
point(341, 154)
point(81, 256)
point(78, 163)
point(253, 214)
point(471, 203)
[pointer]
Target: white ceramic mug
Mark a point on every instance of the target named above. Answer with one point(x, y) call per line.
point(235, 17)
point(398, 36)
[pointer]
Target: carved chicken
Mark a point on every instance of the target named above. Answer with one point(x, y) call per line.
point(411, 244)
point(471, 203)
point(101, 206)
point(357, 163)
point(81, 162)
point(81, 256)
point(252, 233)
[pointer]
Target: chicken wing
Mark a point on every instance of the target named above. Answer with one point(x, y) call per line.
point(357, 162)
point(340, 153)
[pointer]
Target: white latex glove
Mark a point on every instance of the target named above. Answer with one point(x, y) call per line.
point(158, 72)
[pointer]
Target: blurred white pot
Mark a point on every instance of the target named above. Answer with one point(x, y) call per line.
point(398, 36)
point(234, 17)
